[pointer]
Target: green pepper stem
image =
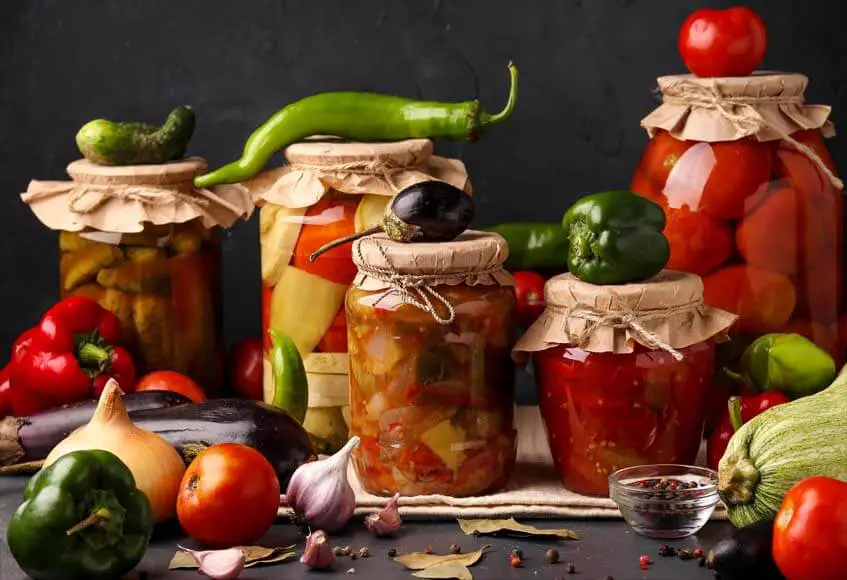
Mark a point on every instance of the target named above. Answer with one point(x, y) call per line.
point(734, 406)
point(486, 119)
point(92, 355)
point(95, 519)
point(346, 239)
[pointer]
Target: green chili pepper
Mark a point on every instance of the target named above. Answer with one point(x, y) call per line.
point(360, 117)
point(534, 246)
point(788, 363)
point(82, 518)
point(291, 387)
point(615, 237)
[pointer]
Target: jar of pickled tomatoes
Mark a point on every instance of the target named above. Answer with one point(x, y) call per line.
point(328, 189)
point(623, 373)
point(432, 393)
point(753, 201)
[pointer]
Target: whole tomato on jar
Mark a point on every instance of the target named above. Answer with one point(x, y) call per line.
point(810, 530)
point(171, 381)
point(723, 43)
point(529, 293)
point(229, 496)
point(245, 368)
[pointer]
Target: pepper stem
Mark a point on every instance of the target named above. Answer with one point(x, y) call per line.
point(486, 119)
point(346, 239)
point(95, 519)
point(92, 355)
point(734, 405)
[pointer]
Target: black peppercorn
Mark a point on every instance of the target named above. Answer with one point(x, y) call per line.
point(392, 552)
point(353, 556)
point(571, 569)
point(552, 556)
point(666, 551)
point(455, 549)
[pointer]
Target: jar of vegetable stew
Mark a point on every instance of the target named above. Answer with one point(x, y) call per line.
point(144, 243)
point(753, 201)
point(431, 381)
point(623, 373)
point(328, 189)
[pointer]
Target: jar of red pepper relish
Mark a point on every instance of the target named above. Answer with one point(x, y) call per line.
point(753, 201)
point(432, 394)
point(623, 373)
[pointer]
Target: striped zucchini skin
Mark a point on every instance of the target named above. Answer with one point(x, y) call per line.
point(781, 447)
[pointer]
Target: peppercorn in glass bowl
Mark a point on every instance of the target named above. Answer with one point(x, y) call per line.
point(664, 500)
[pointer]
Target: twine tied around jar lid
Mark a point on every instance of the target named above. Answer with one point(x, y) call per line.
point(414, 270)
point(385, 168)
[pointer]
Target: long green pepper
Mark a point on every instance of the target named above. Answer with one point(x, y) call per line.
point(360, 117)
point(291, 386)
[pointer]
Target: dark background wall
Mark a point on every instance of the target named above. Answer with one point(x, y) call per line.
point(588, 69)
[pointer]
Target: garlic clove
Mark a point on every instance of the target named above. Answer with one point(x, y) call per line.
point(387, 521)
point(218, 564)
point(319, 492)
point(318, 553)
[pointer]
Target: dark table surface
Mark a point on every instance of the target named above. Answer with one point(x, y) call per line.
point(606, 548)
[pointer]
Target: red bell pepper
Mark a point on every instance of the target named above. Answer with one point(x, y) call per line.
point(739, 411)
point(68, 357)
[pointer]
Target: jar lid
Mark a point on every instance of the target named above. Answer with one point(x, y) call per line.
point(414, 269)
point(122, 199)
point(666, 312)
point(315, 167)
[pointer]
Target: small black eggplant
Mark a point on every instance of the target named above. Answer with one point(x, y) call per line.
point(430, 211)
point(746, 553)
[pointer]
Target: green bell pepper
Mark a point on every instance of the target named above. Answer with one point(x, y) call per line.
point(534, 246)
point(615, 237)
point(82, 518)
point(788, 363)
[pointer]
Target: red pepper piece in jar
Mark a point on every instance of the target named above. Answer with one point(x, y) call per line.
point(529, 294)
point(739, 411)
point(68, 357)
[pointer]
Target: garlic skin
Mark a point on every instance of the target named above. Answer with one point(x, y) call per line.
point(218, 564)
point(387, 521)
point(319, 492)
point(318, 553)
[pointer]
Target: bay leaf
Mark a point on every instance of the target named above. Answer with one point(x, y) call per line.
point(253, 556)
point(446, 570)
point(510, 525)
point(421, 561)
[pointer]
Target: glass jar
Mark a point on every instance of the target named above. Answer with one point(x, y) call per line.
point(623, 373)
point(753, 202)
point(432, 399)
point(144, 243)
point(328, 190)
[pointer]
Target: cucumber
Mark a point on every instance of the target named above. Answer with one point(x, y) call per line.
point(107, 142)
point(781, 447)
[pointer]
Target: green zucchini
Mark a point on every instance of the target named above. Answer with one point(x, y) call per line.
point(107, 142)
point(782, 446)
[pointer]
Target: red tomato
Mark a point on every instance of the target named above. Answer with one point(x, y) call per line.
point(659, 157)
point(331, 218)
point(810, 530)
point(699, 243)
point(171, 381)
point(723, 43)
point(229, 496)
point(245, 368)
point(529, 292)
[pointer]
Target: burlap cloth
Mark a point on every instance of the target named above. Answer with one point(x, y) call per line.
point(534, 491)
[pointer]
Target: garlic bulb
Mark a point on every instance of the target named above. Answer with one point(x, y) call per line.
point(318, 552)
point(218, 564)
point(387, 521)
point(155, 465)
point(319, 492)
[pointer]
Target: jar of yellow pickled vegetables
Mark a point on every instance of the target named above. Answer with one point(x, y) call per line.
point(144, 243)
point(430, 329)
point(326, 190)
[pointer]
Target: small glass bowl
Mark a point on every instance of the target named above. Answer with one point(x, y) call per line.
point(665, 501)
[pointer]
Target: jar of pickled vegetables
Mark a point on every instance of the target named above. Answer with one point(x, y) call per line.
point(431, 381)
point(144, 243)
point(753, 201)
point(326, 190)
point(623, 373)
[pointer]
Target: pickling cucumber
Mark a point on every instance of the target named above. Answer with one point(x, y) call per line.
point(107, 142)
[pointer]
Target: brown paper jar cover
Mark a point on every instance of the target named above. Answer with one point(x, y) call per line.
point(122, 199)
point(317, 166)
point(668, 308)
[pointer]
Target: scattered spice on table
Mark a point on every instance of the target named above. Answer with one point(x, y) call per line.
point(697, 553)
point(428, 550)
point(353, 556)
point(392, 552)
point(516, 559)
point(364, 552)
point(571, 568)
point(666, 551)
point(685, 554)
point(702, 562)
point(351, 571)
point(644, 562)
point(552, 556)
